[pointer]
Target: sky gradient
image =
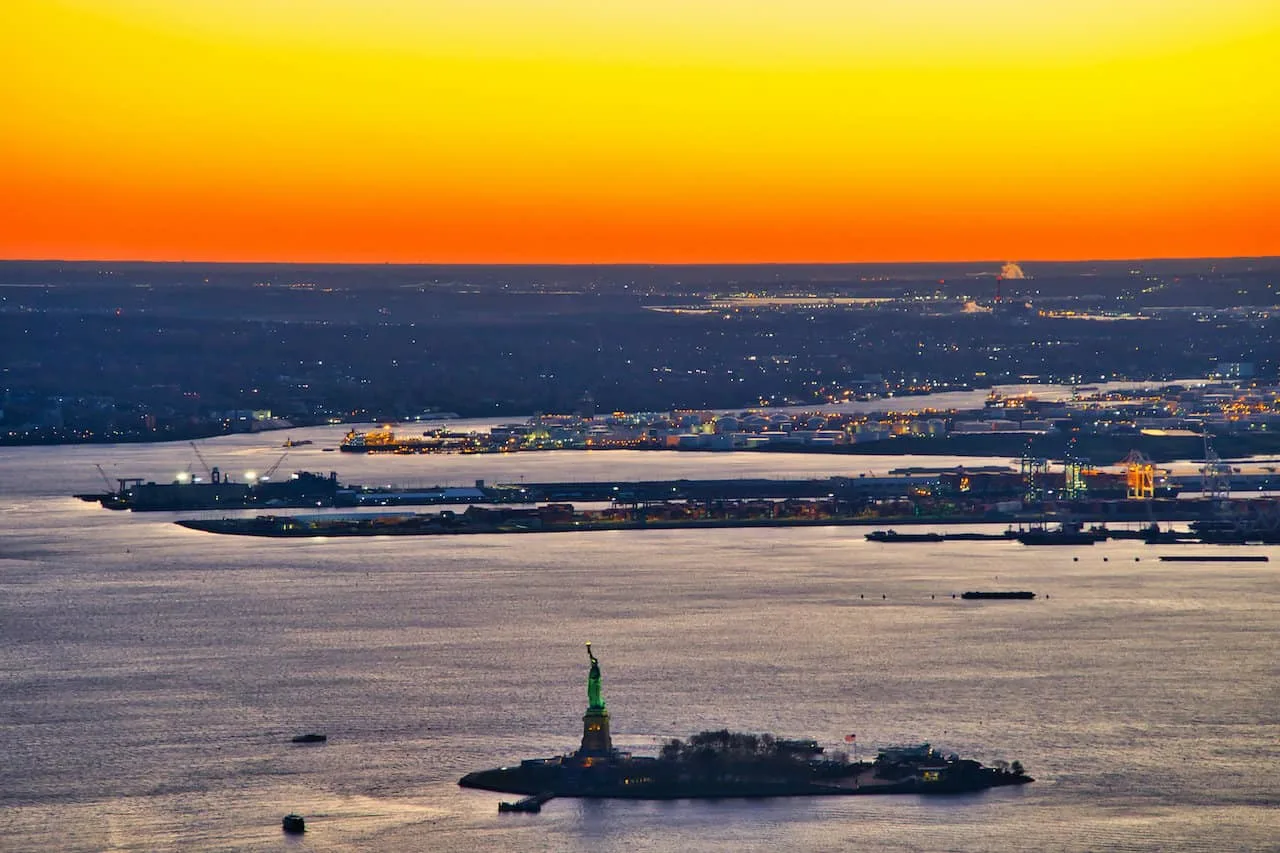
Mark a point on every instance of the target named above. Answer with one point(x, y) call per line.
point(505, 131)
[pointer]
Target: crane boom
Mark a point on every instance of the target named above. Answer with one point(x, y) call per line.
point(207, 470)
point(266, 475)
point(105, 478)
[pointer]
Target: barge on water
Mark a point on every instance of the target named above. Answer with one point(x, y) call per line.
point(549, 518)
point(1240, 558)
point(893, 536)
point(301, 489)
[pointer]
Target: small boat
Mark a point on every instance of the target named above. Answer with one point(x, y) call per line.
point(530, 805)
point(310, 738)
point(294, 824)
point(1021, 595)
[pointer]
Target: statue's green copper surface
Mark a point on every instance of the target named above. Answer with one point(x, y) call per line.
point(595, 702)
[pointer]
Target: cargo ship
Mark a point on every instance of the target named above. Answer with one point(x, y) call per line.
point(301, 489)
point(717, 764)
point(385, 440)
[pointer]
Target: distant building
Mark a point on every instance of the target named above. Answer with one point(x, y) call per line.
point(1233, 370)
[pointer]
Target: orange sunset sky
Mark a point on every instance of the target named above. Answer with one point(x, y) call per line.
point(513, 131)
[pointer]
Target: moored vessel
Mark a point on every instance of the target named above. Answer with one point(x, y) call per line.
point(1067, 533)
point(895, 536)
point(1217, 558)
point(301, 489)
point(385, 440)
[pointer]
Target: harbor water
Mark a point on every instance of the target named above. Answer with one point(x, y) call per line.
point(154, 676)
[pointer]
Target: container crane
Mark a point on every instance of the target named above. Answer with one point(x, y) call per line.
point(1215, 475)
point(1140, 476)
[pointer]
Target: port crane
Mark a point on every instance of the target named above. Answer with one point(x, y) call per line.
point(267, 474)
point(122, 483)
point(1215, 475)
point(1140, 476)
point(105, 478)
point(209, 472)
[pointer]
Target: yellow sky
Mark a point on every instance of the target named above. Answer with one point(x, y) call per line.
point(701, 130)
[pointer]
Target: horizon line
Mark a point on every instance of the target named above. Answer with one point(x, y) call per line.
point(582, 264)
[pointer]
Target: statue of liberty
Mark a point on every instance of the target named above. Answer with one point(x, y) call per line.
point(595, 702)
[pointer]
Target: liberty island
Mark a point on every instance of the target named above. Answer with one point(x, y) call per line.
point(715, 764)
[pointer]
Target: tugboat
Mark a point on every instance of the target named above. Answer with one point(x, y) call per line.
point(717, 764)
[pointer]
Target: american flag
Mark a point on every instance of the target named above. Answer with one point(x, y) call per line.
point(850, 738)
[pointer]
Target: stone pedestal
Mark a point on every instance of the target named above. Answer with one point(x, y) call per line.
point(596, 739)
